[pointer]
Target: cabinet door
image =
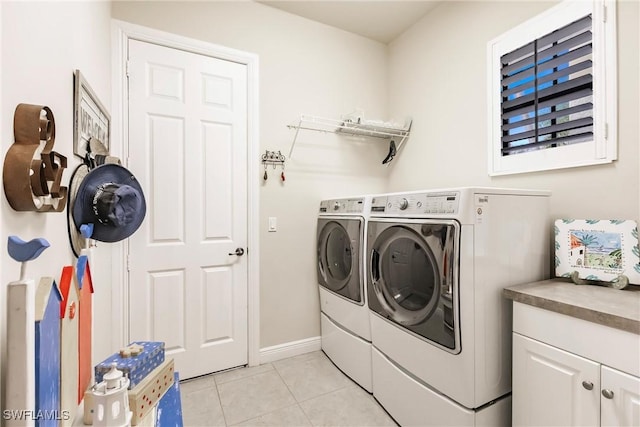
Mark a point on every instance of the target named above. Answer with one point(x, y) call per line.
point(552, 387)
point(620, 398)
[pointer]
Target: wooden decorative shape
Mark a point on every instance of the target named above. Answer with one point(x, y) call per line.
point(21, 333)
point(136, 368)
point(170, 406)
point(32, 173)
point(83, 274)
point(91, 120)
point(22, 251)
point(47, 351)
point(20, 394)
point(144, 396)
point(68, 344)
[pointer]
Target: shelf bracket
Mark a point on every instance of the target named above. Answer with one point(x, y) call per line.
point(295, 137)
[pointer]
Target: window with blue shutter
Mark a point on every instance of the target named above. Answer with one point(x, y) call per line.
point(553, 91)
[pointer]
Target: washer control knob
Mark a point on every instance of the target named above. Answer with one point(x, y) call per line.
point(404, 204)
point(336, 206)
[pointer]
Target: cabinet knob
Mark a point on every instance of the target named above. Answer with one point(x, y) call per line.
point(607, 393)
point(587, 385)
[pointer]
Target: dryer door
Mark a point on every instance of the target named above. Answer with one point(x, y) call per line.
point(412, 277)
point(339, 265)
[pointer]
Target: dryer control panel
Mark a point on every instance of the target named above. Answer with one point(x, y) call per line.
point(354, 205)
point(417, 203)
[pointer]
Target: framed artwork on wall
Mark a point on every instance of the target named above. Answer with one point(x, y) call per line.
point(597, 250)
point(91, 118)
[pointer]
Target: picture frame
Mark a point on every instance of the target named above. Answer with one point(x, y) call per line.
point(91, 118)
point(597, 250)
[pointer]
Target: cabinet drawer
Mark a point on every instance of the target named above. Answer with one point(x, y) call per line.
point(588, 339)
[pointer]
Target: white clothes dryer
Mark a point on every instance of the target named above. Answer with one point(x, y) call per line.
point(344, 317)
point(437, 261)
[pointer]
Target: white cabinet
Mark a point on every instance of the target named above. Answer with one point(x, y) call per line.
point(620, 403)
point(552, 386)
point(560, 375)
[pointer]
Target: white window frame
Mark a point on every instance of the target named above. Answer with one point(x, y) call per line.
point(603, 147)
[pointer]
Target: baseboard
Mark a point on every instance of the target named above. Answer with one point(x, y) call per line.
point(290, 349)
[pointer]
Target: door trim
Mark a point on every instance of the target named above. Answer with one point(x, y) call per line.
point(122, 32)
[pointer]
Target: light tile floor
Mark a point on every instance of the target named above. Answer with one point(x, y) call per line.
point(305, 390)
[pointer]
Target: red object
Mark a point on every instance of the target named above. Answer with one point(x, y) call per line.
point(85, 284)
point(282, 176)
point(65, 288)
point(69, 339)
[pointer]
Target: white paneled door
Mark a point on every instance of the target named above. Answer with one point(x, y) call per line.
point(187, 262)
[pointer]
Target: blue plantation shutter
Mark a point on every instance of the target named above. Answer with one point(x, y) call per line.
point(547, 91)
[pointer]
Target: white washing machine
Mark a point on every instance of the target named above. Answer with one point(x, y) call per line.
point(344, 318)
point(437, 261)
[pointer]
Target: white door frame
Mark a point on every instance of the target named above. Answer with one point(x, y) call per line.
point(122, 32)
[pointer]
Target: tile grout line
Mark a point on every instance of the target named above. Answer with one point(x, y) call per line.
point(247, 376)
point(224, 417)
point(293, 395)
point(297, 402)
point(206, 404)
point(271, 409)
point(352, 384)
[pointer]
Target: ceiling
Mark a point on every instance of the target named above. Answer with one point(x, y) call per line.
point(381, 20)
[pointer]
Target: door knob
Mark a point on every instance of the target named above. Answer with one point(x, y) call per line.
point(238, 252)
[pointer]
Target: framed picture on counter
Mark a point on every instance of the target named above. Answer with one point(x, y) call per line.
point(597, 250)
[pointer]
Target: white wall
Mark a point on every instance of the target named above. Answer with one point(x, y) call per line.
point(304, 67)
point(438, 74)
point(42, 44)
point(310, 68)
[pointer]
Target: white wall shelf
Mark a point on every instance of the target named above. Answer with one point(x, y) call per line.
point(360, 128)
